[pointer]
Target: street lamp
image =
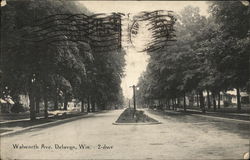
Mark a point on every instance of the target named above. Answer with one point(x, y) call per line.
point(134, 88)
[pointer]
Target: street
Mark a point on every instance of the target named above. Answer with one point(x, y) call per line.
point(178, 137)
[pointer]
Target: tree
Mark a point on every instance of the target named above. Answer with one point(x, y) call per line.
point(208, 54)
point(233, 19)
point(32, 62)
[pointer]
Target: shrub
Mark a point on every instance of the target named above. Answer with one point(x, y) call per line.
point(226, 103)
point(17, 107)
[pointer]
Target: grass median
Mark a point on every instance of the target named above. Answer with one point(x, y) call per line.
point(130, 115)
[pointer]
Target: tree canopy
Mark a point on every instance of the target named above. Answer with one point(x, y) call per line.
point(209, 54)
point(54, 50)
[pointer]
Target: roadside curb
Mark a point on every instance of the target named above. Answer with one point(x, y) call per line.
point(223, 118)
point(139, 123)
point(20, 120)
point(208, 116)
point(49, 124)
point(151, 123)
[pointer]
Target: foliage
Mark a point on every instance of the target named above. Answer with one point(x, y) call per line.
point(134, 116)
point(210, 53)
point(54, 68)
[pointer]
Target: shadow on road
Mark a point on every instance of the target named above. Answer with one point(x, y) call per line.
point(239, 128)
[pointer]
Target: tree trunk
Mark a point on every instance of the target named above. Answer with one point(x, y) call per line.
point(214, 101)
point(179, 102)
point(65, 104)
point(197, 99)
point(93, 105)
point(219, 100)
point(37, 104)
point(82, 106)
point(176, 103)
point(170, 103)
point(184, 102)
point(238, 99)
point(104, 106)
point(202, 104)
point(166, 104)
point(56, 101)
point(32, 107)
point(173, 103)
point(88, 101)
point(56, 105)
point(208, 100)
point(45, 106)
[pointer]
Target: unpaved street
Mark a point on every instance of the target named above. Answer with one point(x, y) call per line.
point(178, 137)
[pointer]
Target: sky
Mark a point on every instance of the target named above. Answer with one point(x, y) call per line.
point(136, 61)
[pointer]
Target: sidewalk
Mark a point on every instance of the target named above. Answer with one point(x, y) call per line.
point(4, 117)
point(22, 119)
point(244, 117)
point(13, 117)
point(11, 127)
point(237, 116)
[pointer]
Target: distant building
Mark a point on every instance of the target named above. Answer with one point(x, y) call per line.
point(24, 100)
point(231, 97)
point(245, 97)
point(6, 104)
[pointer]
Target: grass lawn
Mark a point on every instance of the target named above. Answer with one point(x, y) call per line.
point(230, 109)
point(9, 126)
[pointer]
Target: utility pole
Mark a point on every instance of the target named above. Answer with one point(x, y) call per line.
point(134, 96)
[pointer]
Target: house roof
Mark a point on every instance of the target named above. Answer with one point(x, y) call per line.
point(7, 100)
point(10, 101)
point(2, 101)
point(233, 93)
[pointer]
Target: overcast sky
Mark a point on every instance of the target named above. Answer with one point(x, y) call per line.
point(137, 61)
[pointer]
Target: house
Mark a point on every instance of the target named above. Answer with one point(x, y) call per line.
point(6, 104)
point(232, 97)
point(24, 100)
point(3, 106)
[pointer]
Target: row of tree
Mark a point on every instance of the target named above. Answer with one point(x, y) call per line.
point(210, 54)
point(54, 51)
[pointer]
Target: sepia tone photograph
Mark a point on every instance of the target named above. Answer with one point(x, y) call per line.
point(124, 80)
